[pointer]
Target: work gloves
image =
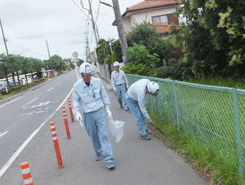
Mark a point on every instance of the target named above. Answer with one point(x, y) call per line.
point(109, 113)
point(149, 121)
point(127, 86)
point(79, 117)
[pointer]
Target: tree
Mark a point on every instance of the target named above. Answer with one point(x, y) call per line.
point(103, 50)
point(5, 68)
point(214, 36)
point(140, 61)
point(145, 34)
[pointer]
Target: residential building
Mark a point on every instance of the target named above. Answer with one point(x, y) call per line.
point(159, 13)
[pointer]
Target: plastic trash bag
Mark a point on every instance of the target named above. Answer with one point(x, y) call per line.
point(116, 128)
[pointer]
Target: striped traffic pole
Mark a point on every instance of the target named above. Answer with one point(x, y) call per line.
point(56, 145)
point(70, 108)
point(26, 173)
point(66, 122)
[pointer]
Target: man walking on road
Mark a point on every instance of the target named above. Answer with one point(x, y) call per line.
point(90, 94)
point(119, 80)
point(135, 98)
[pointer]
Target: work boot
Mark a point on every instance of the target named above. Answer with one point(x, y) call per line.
point(145, 137)
point(110, 166)
point(148, 132)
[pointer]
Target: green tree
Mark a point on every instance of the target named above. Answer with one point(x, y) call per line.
point(145, 34)
point(140, 61)
point(103, 50)
point(214, 38)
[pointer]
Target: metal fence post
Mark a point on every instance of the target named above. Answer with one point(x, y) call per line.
point(176, 106)
point(238, 138)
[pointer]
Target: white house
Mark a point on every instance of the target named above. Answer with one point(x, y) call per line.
point(156, 12)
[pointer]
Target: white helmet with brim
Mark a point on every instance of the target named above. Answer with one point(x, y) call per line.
point(86, 69)
point(153, 88)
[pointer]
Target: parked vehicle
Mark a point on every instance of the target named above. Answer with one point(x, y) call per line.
point(3, 85)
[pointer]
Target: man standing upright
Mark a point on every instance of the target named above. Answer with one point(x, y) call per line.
point(119, 80)
point(90, 94)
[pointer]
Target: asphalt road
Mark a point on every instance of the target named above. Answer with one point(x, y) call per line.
point(137, 161)
point(22, 116)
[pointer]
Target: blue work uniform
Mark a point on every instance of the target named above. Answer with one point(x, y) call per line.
point(135, 98)
point(118, 80)
point(92, 99)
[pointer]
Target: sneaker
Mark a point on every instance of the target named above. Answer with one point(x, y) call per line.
point(145, 137)
point(148, 132)
point(110, 166)
point(97, 158)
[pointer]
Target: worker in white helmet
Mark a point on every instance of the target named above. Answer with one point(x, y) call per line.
point(135, 98)
point(90, 94)
point(118, 81)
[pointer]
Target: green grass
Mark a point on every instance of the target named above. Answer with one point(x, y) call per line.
point(206, 122)
point(220, 81)
point(219, 169)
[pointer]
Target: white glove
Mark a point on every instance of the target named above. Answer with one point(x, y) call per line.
point(127, 86)
point(79, 117)
point(115, 89)
point(149, 121)
point(109, 113)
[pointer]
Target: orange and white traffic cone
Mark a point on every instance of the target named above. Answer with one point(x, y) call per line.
point(56, 145)
point(66, 122)
point(26, 173)
point(70, 108)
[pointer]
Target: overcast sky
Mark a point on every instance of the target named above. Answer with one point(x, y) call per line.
point(28, 23)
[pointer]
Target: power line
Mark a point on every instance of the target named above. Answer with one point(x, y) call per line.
point(97, 12)
point(16, 45)
point(80, 9)
point(51, 34)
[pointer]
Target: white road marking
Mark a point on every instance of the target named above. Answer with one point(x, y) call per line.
point(30, 102)
point(50, 89)
point(30, 113)
point(22, 147)
point(3, 133)
point(10, 102)
point(43, 103)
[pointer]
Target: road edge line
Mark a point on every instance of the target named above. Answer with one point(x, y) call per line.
point(22, 147)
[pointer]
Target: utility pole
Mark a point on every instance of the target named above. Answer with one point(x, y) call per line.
point(5, 70)
point(4, 38)
point(93, 24)
point(48, 55)
point(120, 29)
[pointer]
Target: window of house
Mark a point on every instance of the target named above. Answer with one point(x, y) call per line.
point(162, 19)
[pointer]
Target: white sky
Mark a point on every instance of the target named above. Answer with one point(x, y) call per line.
point(28, 23)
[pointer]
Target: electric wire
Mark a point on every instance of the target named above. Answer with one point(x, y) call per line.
point(16, 45)
point(52, 34)
point(80, 9)
point(98, 12)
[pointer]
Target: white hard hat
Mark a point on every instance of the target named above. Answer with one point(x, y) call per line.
point(86, 68)
point(153, 88)
point(116, 64)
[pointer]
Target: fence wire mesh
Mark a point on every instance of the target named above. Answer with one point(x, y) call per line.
point(206, 113)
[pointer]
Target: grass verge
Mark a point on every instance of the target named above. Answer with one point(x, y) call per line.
point(17, 89)
point(217, 168)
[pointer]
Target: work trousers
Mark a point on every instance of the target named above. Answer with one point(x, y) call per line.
point(96, 127)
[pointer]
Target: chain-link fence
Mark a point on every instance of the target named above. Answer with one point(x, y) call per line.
point(213, 115)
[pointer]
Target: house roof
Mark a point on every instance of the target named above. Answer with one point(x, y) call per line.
point(148, 4)
point(151, 4)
